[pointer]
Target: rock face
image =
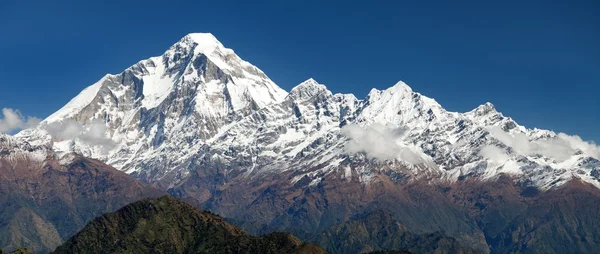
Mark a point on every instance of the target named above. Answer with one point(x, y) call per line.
point(44, 201)
point(202, 124)
point(171, 226)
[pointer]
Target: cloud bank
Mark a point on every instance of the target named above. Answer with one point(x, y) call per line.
point(561, 147)
point(13, 120)
point(379, 142)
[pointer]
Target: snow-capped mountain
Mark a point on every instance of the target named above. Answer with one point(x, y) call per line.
point(200, 106)
point(159, 112)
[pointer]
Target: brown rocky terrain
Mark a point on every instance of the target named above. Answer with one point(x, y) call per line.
point(501, 215)
point(43, 203)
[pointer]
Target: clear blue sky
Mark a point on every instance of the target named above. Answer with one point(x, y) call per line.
point(538, 62)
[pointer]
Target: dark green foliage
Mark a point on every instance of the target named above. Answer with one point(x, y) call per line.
point(389, 252)
point(379, 230)
point(168, 225)
point(20, 251)
point(41, 207)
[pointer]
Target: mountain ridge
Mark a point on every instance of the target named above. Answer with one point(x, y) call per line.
point(398, 108)
point(170, 225)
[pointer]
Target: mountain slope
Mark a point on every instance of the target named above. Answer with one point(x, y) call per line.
point(521, 219)
point(560, 221)
point(169, 225)
point(44, 201)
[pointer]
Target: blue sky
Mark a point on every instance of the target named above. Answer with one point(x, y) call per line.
point(538, 62)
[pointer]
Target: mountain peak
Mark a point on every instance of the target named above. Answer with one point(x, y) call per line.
point(309, 83)
point(484, 109)
point(201, 38)
point(200, 42)
point(400, 87)
point(308, 89)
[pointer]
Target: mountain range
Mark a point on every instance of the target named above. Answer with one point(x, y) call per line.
point(202, 124)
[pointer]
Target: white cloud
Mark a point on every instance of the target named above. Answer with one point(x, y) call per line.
point(68, 129)
point(93, 134)
point(494, 153)
point(560, 147)
point(13, 120)
point(380, 142)
point(576, 142)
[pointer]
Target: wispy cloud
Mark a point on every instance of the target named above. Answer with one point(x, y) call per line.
point(13, 120)
point(380, 142)
point(560, 147)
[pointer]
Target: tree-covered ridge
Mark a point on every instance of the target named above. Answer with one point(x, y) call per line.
point(168, 225)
